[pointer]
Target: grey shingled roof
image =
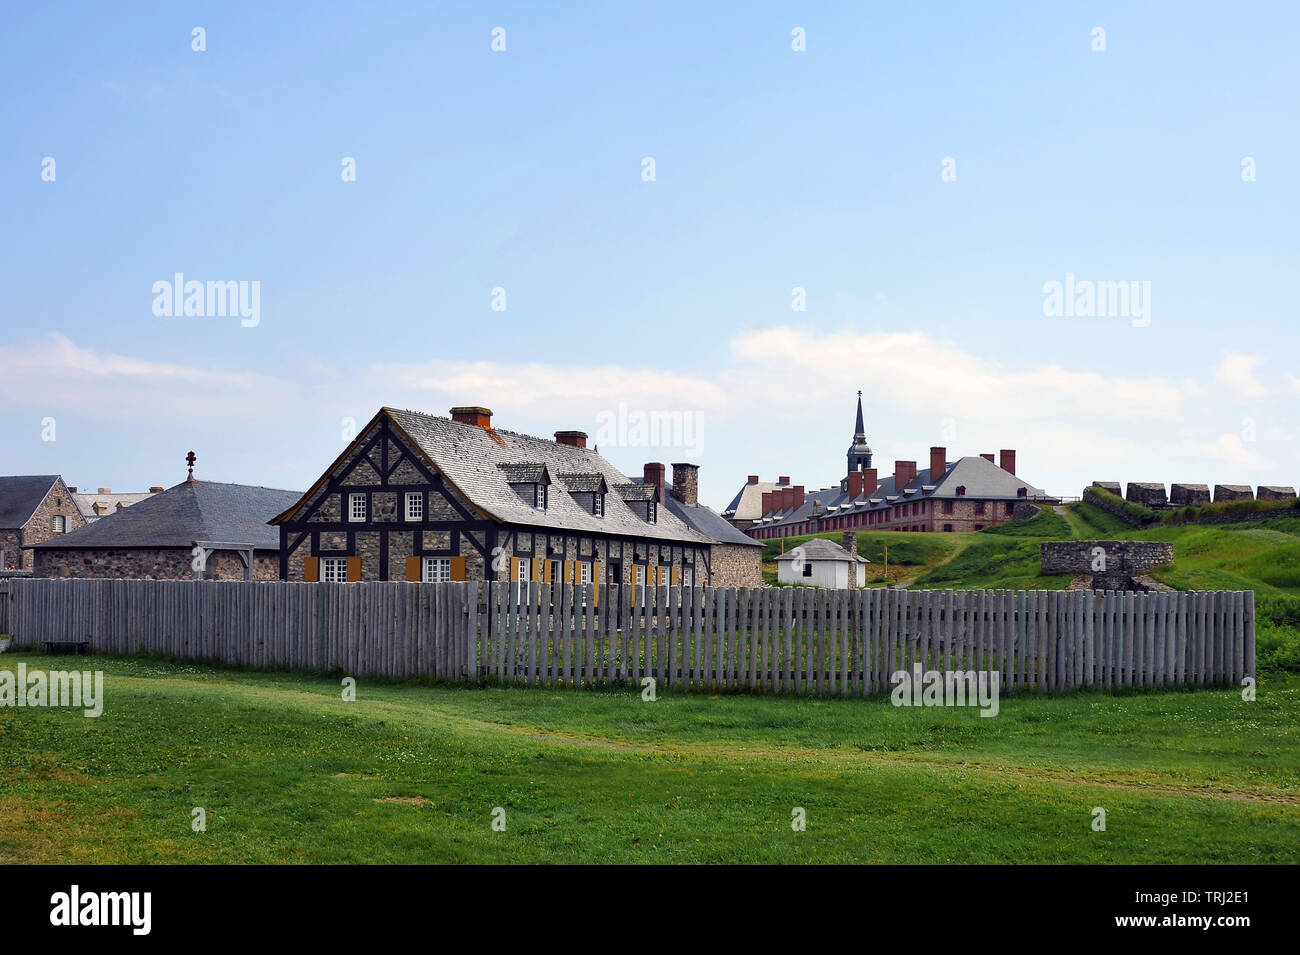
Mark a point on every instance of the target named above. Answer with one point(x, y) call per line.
point(819, 548)
point(20, 495)
point(709, 523)
point(591, 482)
point(525, 473)
point(109, 502)
point(468, 455)
point(191, 511)
point(747, 505)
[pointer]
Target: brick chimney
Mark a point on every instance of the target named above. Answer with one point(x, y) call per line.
point(987, 457)
point(855, 485)
point(753, 479)
point(1008, 460)
point(796, 496)
point(938, 462)
point(767, 502)
point(472, 414)
point(904, 471)
point(868, 481)
point(654, 474)
point(105, 490)
point(155, 490)
point(783, 479)
point(686, 482)
point(574, 439)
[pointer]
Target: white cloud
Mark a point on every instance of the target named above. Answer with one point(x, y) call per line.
point(1236, 372)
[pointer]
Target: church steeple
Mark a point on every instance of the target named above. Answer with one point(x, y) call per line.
point(859, 452)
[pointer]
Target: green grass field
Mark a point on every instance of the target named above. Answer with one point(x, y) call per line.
point(289, 772)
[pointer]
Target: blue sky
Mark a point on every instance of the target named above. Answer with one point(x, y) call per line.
point(775, 169)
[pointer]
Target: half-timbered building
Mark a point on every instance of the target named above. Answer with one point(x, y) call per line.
point(421, 497)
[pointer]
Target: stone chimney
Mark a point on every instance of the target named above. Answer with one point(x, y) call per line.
point(850, 542)
point(938, 463)
point(472, 414)
point(654, 474)
point(574, 439)
point(686, 482)
point(1008, 460)
point(105, 490)
point(904, 471)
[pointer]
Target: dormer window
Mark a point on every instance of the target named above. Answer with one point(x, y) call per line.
point(588, 490)
point(642, 500)
point(961, 490)
point(530, 482)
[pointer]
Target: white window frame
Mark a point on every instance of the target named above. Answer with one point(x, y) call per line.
point(414, 506)
point(688, 576)
point(435, 570)
point(524, 574)
point(638, 575)
point(584, 572)
point(356, 503)
point(58, 524)
point(333, 570)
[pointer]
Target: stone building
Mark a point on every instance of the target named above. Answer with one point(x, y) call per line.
point(105, 501)
point(968, 494)
point(737, 559)
point(33, 508)
point(425, 498)
point(201, 530)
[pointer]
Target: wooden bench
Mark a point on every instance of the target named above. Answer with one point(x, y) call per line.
point(78, 647)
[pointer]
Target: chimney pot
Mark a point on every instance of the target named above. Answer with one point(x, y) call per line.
point(473, 414)
point(686, 482)
point(1008, 460)
point(574, 439)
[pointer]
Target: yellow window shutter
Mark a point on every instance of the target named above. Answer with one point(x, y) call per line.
point(354, 568)
point(548, 570)
point(311, 569)
point(514, 568)
point(595, 581)
point(568, 572)
point(676, 575)
point(537, 569)
point(413, 569)
point(458, 568)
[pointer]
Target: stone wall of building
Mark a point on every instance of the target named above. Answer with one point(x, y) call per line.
point(154, 563)
point(1146, 494)
point(1189, 495)
point(736, 565)
point(1114, 557)
point(11, 555)
point(40, 527)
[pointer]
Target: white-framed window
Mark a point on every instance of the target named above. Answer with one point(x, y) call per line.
point(584, 573)
point(688, 576)
point(356, 507)
point(640, 575)
point(414, 506)
point(334, 570)
point(436, 570)
point(525, 571)
point(60, 524)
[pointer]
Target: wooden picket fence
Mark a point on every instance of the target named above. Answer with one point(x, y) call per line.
point(786, 640)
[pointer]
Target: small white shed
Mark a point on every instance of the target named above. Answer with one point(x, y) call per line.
point(821, 563)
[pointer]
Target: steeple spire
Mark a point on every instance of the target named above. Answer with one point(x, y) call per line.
point(859, 455)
